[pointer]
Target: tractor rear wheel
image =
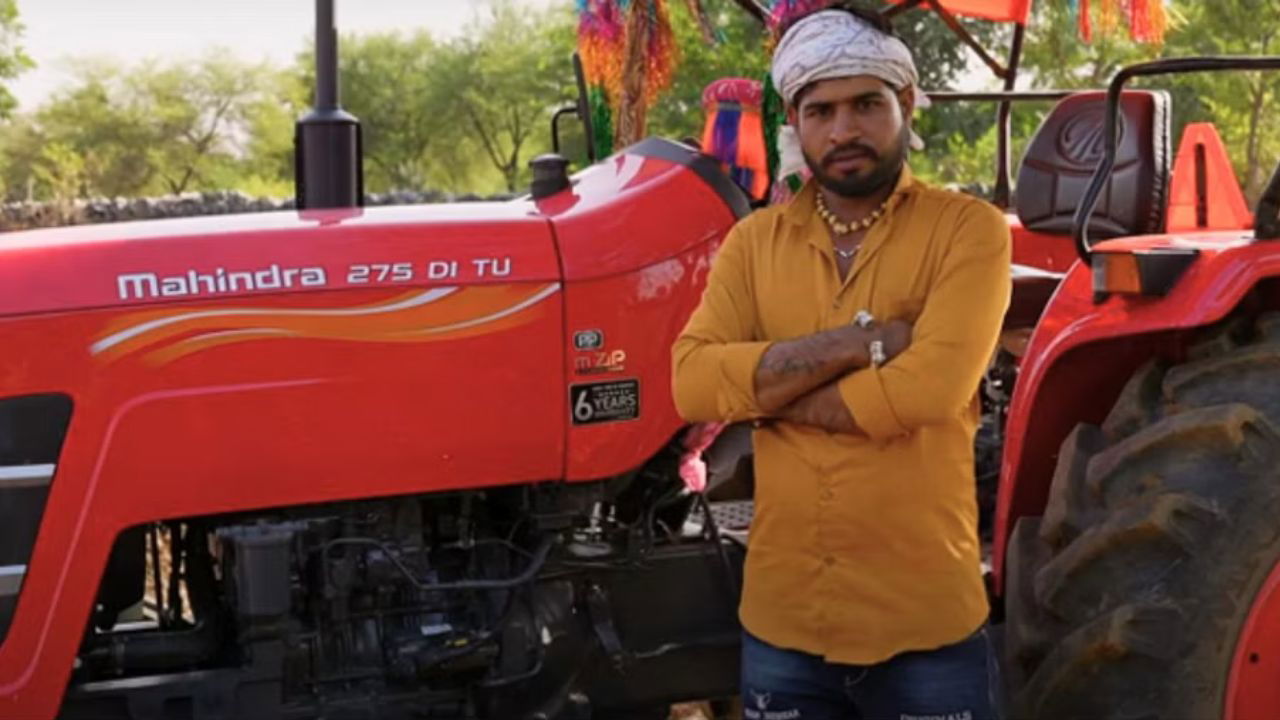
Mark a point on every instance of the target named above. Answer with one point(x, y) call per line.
point(1129, 597)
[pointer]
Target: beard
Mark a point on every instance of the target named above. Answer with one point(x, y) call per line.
point(885, 169)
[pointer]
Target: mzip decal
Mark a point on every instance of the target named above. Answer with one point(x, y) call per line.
point(221, 281)
point(598, 363)
point(605, 402)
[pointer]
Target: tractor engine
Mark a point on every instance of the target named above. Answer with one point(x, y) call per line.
point(517, 602)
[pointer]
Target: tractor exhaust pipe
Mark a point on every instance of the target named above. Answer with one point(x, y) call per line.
point(327, 142)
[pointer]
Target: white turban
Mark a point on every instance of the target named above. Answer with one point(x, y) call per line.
point(833, 44)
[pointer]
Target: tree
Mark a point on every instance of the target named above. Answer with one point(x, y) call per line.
point(13, 61)
point(510, 73)
point(94, 119)
point(152, 129)
point(1240, 104)
point(398, 86)
point(192, 115)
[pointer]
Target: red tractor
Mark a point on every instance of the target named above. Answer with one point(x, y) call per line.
point(423, 462)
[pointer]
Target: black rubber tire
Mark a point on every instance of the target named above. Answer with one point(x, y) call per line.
point(1126, 599)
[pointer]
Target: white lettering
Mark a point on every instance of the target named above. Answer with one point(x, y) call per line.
point(440, 269)
point(268, 279)
point(240, 281)
point(174, 287)
point(314, 277)
point(193, 283)
point(495, 267)
point(140, 285)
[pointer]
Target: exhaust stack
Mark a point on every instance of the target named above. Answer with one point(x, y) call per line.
point(327, 142)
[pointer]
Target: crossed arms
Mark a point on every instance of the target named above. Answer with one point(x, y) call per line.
point(723, 373)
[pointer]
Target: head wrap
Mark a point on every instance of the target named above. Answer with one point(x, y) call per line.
point(834, 44)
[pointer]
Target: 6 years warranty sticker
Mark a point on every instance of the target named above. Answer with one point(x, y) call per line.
point(604, 402)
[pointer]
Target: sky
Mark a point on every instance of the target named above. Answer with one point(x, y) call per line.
point(133, 30)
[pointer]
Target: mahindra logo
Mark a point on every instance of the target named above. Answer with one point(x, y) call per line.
point(1083, 139)
point(146, 285)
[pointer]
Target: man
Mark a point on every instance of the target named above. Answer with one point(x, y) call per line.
point(853, 326)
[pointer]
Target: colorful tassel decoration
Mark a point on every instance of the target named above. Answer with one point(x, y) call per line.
point(1148, 20)
point(601, 42)
point(1085, 20)
point(648, 66)
point(782, 12)
point(628, 53)
point(733, 133)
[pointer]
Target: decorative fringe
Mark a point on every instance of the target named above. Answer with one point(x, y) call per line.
point(733, 133)
point(773, 115)
point(650, 62)
point(782, 12)
point(628, 55)
point(1148, 20)
point(601, 121)
point(601, 43)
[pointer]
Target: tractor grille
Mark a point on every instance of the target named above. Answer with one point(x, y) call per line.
point(32, 429)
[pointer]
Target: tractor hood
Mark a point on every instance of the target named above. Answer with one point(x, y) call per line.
point(634, 210)
point(157, 261)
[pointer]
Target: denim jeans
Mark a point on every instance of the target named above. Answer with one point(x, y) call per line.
point(957, 682)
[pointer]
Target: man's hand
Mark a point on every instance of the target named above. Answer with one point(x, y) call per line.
point(825, 408)
point(896, 336)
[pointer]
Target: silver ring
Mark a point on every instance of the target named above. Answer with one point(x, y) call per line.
point(876, 350)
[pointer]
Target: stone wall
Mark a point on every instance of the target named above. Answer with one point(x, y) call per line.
point(22, 216)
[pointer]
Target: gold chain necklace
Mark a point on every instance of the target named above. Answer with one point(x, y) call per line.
point(844, 228)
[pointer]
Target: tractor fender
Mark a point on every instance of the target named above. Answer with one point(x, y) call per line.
point(1084, 349)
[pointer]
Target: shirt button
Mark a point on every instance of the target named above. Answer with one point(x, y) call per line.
point(828, 561)
point(828, 494)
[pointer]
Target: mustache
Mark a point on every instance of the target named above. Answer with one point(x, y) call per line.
point(850, 149)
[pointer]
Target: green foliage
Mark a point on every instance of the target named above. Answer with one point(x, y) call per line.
point(466, 114)
point(153, 129)
point(13, 61)
point(396, 85)
point(1241, 105)
point(507, 89)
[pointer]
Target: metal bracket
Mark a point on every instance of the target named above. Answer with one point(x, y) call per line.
point(602, 624)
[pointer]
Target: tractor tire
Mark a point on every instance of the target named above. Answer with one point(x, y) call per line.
point(1127, 598)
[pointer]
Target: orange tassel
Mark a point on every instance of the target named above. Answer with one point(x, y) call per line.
point(1086, 22)
point(1109, 17)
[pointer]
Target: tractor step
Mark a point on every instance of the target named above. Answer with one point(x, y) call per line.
point(732, 518)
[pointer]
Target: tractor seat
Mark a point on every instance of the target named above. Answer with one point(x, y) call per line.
point(1060, 162)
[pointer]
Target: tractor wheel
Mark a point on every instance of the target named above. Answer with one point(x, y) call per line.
point(1128, 598)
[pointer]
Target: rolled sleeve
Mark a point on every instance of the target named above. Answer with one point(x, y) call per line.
point(715, 358)
point(865, 396)
point(936, 378)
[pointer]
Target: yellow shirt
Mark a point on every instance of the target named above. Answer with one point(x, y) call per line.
point(865, 546)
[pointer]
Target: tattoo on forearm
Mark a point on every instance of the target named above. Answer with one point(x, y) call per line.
point(795, 367)
point(792, 366)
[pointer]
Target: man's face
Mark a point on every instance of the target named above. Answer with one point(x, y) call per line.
point(854, 132)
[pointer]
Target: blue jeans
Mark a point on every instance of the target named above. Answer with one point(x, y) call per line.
point(957, 682)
